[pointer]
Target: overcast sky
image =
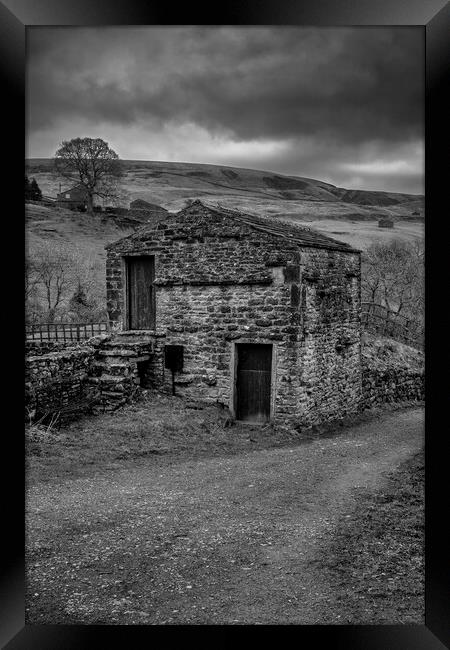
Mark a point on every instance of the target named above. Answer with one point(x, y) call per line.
point(342, 105)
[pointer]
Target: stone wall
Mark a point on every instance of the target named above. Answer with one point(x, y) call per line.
point(392, 385)
point(148, 212)
point(59, 382)
point(331, 335)
point(104, 375)
point(38, 348)
point(317, 373)
point(391, 372)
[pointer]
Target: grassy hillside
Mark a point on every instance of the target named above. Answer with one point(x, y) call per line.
point(170, 184)
point(348, 215)
point(89, 234)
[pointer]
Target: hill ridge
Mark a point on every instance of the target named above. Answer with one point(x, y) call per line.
point(275, 185)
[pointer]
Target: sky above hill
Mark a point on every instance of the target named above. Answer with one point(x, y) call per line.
point(342, 105)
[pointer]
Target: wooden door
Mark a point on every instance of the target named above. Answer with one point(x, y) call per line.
point(253, 380)
point(141, 293)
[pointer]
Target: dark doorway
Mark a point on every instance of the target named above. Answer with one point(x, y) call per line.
point(141, 293)
point(253, 380)
point(142, 370)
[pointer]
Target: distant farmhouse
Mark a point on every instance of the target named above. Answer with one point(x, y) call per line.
point(385, 222)
point(239, 310)
point(73, 198)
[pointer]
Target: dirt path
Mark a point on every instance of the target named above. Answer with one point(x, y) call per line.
point(219, 540)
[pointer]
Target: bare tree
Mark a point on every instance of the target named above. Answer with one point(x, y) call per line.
point(393, 275)
point(93, 164)
point(31, 284)
point(56, 275)
point(50, 267)
point(88, 301)
point(31, 278)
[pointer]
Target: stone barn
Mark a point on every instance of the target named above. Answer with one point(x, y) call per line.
point(256, 315)
point(385, 222)
point(150, 212)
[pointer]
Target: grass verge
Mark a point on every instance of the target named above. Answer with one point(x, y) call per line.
point(160, 429)
point(374, 560)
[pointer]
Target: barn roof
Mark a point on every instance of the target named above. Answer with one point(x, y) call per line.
point(303, 236)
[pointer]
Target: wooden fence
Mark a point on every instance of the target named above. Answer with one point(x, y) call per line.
point(379, 319)
point(64, 331)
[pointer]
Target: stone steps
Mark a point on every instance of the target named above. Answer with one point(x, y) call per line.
point(119, 365)
point(115, 370)
point(112, 379)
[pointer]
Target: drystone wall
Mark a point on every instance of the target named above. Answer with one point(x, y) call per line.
point(391, 371)
point(104, 376)
point(97, 377)
point(38, 348)
point(58, 382)
point(391, 385)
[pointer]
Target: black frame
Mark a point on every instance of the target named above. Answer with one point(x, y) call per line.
point(434, 17)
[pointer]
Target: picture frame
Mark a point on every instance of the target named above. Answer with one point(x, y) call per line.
point(16, 16)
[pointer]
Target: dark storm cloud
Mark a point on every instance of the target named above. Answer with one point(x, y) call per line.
point(342, 87)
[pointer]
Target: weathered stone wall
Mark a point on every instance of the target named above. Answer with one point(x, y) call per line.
point(58, 381)
point(391, 385)
point(37, 348)
point(220, 282)
point(331, 333)
point(317, 358)
point(208, 321)
point(391, 371)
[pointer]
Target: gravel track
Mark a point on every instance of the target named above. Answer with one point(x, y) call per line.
point(211, 541)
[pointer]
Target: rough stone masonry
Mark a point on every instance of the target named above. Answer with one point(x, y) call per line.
point(223, 279)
